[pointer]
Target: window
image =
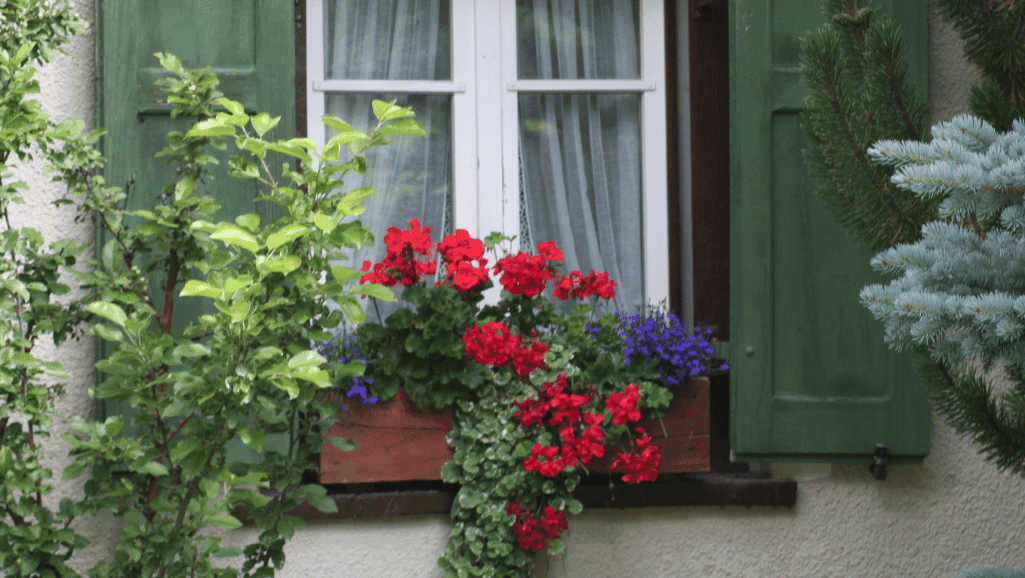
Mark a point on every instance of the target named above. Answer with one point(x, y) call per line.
point(483, 109)
point(545, 119)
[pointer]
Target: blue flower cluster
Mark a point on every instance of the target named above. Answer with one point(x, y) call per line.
point(343, 350)
point(660, 336)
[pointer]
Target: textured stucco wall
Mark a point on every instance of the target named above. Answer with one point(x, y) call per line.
point(932, 520)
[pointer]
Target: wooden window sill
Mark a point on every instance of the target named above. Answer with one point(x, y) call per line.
point(415, 498)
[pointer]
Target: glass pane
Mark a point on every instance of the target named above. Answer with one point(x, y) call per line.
point(577, 39)
point(412, 174)
point(581, 184)
point(387, 40)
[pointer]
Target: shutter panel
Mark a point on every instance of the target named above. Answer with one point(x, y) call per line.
point(811, 377)
point(249, 44)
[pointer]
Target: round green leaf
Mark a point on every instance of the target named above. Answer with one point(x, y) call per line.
point(109, 311)
point(235, 235)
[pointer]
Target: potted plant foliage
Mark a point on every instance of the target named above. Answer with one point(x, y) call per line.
point(532, 391)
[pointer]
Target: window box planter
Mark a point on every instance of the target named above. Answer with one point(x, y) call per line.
point(397, 442)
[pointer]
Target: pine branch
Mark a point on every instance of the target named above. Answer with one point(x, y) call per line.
point(859, 94)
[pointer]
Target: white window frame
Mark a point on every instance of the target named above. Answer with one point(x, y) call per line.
point(484, 88)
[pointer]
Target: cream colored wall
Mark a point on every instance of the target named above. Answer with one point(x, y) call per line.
point(953, 512)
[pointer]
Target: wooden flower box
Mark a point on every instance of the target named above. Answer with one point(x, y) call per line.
point(395, 441)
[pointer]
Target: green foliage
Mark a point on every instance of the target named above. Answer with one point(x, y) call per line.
point(490, 446)
point(959, 295)
point(992, 33)
point(421, 349)
point(242, 373)
point(859, 94)
point(34, 540)
point(955, 302)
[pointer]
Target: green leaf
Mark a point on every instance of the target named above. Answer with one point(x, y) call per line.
point(282, 265)
point(154, 469)
point(470, 497)
point(113, 425)
point(184, 448)
point(344, 132)
point(388, 110)
point(288, 386)
point(308, 357)
point(353, 312)
point(74, 469)
point(316, 496)
point(234, 235)
point(232, 119)
point(356, 196)
point(211, 127)
point(239, 310)
point(233, 106)
point(450, 473)
point(306, 143)
point(290, 150)
point(235, 283)
point(344, 444)
point(319, 377)
point(195, 288)
point(556, 547)
point(109, 311)
point(375, 290)
point(285, 235)
point(22, 54)
point(345, 274)
point(574, 506)
point(407, 126)
point(224, 520)
point(324, 222)
point(263, 123)
point(106, 332)
point(250, 221)
point(252, 437)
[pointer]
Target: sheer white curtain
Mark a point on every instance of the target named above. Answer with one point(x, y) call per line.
point(395, 40)
point(580, 154)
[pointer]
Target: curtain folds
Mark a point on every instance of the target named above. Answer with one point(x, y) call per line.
point(395, 40)
point(581, 179)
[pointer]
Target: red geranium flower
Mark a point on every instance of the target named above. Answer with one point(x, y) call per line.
point(624, 405)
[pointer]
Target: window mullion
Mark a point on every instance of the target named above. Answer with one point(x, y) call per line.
point(491, 114)
point(464, 117)
point(510, 133)
point(653, 151)
point(315, 106)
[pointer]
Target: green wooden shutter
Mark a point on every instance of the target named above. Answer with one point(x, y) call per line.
point(249, 44)
point(811, 378)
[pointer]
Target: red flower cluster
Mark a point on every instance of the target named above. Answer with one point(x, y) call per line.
point(527, 274)
point(641, 467)
point(495, 345)
point(528, 537)
point(565, 411)
point(460, 250)
point(400, 265)
point(523, 274)
point(623, 406)
point(466, 267)
point(578, 286)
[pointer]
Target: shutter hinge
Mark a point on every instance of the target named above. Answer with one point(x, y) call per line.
point(879, 462)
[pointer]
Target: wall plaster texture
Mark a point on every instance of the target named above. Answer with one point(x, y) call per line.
point(955, 511)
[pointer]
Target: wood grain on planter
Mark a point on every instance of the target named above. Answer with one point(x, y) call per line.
point(396, 442)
